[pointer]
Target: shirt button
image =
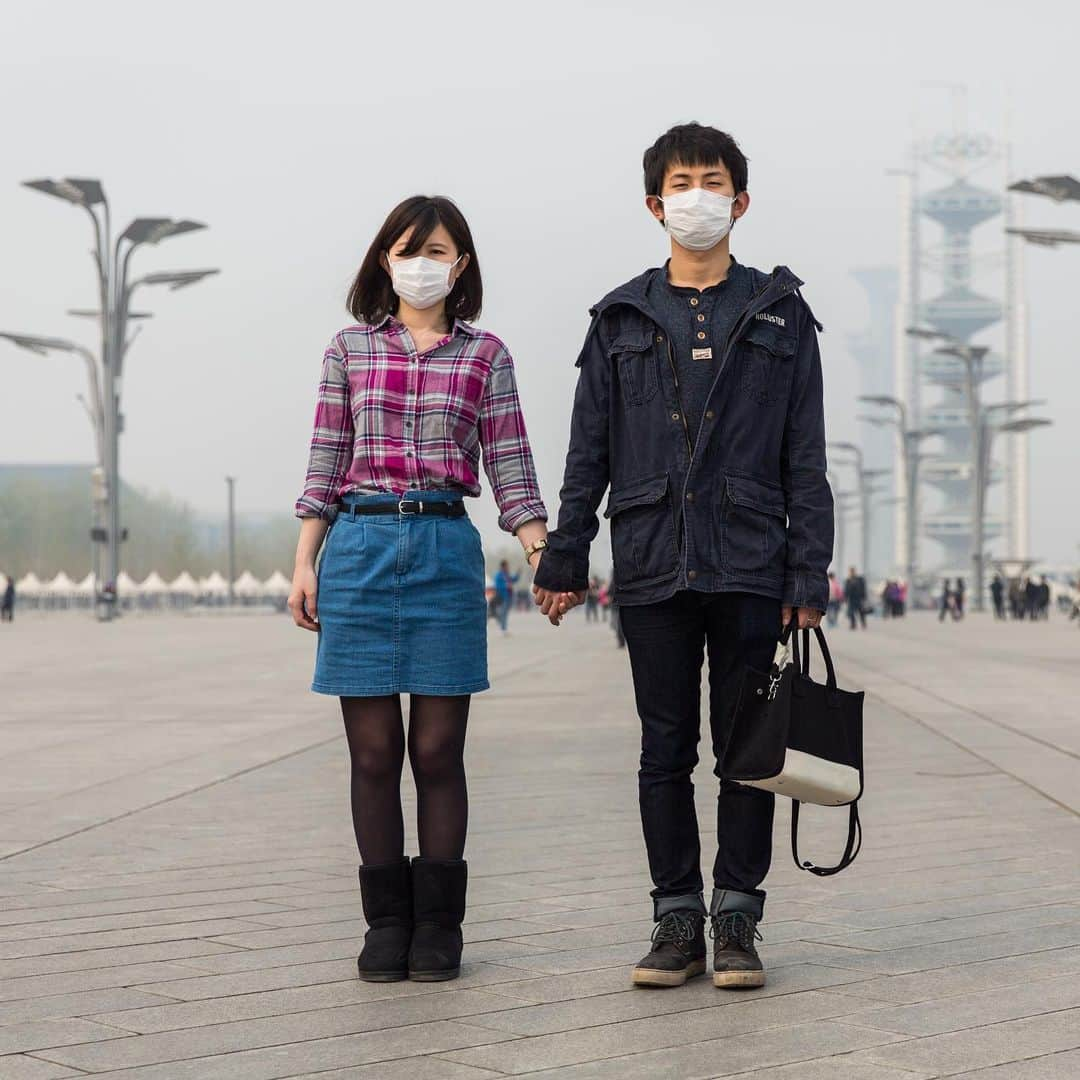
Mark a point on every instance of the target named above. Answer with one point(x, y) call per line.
point(693, 301)
point(701, 335)
point(709, 414)
point(659, 337)
point(691, 574)
point(689, 496)
point(674, 416)
point(701, 318)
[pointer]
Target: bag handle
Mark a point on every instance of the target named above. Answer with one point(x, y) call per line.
point(851, 849)
point(803, 663)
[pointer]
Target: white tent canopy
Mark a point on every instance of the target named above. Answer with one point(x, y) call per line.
point(184, 585)
point(277, 584)
point(29, 585)
point(153, 584)
point(215, 584)
point(61, 585)
point(86, 586)
point(125, 583)
point(247, 584)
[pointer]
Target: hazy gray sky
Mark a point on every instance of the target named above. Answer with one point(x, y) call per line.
point(292, 129)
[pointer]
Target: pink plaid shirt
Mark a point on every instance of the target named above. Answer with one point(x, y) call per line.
point(389, 419)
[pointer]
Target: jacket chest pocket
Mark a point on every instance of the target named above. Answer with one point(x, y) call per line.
point(753, 527)
point(765, 363)
point(643, 544)
point(634, 357)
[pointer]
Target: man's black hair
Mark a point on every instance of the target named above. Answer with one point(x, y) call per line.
point(695, 145)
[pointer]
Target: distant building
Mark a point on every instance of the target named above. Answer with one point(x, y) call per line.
point(976, 289)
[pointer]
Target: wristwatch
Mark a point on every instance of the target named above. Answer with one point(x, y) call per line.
point(534, 547)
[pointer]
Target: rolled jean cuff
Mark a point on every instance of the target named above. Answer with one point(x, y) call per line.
point(663, 905)
point(724, 900)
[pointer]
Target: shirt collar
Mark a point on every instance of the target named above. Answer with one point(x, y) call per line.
point(391, 323)
point(735, 270)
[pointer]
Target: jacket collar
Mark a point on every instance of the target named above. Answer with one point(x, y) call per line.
point(635, 291)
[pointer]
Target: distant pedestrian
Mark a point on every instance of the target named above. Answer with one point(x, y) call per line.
point(592, 601)
point(7, 604)
point(1043, 599)
point(945, 604)
point(1031, 599)
point(855, 598)
point(504, 593)
point(1016, 599)
point(836, 598)
point(958, 599)
point(997, 594)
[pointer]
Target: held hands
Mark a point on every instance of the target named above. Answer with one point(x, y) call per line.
point(554, 604)
point(808, 617)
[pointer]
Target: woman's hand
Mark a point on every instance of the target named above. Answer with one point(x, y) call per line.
point(303, 597)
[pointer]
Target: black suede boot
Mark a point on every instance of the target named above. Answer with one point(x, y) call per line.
point(386, 892)
point(438, 909)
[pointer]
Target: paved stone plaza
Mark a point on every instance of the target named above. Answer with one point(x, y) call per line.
point(178, 897)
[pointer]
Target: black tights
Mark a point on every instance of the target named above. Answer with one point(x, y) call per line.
point(436, 744)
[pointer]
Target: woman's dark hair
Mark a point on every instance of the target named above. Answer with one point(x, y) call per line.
point(696, 145)
point(372, 295)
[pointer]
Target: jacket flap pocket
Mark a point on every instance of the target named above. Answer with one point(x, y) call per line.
point(637, 493)
point(767, 336)
point(638, 340)
point(744, 492)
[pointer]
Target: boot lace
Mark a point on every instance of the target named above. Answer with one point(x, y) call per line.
point(735, 928)
point(675, 928)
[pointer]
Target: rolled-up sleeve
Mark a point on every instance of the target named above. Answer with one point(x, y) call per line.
point(331, 440)
point(508, 459)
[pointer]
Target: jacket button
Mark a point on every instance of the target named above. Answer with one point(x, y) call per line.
point(689, 496)
point(674, 416)
point(659, 337)
point(691, 574)
point(709, 414)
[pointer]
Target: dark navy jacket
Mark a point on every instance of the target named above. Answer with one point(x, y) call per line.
point(750, 509)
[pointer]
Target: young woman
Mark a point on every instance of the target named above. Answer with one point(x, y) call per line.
point(409, 398)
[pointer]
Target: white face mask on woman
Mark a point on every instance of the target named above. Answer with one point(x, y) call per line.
point(422, 282)
point(698, 219)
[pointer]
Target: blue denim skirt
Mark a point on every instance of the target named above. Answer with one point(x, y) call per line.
point(401, 602)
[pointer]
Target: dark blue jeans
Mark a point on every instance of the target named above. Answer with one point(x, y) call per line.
point(667, 642)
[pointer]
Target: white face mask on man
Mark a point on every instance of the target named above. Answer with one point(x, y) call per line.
point(697, 219)
point(422, 282)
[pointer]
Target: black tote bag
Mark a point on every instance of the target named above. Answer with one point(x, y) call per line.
point(799, 738)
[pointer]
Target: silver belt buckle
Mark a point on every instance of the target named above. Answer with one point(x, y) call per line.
point(402, 510)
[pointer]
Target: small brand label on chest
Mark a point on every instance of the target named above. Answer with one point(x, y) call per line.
point(702, 354)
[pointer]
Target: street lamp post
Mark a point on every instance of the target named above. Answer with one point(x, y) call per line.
point(842, 501)
point(91, 401)
point(909, 439)
point(863, 477)
point(231, 482)
point(982, 435)
point(114, 314)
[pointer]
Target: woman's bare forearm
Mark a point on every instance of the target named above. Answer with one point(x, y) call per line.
point(312, 532)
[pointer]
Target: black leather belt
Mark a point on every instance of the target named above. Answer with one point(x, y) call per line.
point(408, 507)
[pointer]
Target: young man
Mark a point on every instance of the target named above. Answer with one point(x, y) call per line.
point(699, 401)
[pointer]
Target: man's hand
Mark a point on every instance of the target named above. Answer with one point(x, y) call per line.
point(808, 617)
point(556, 604)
